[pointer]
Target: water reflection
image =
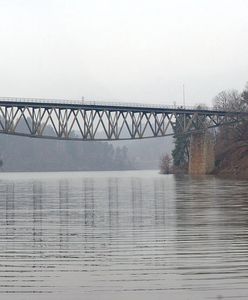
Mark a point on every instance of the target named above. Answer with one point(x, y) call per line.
point(135, 235)
point(10, 211)
point(37, 215)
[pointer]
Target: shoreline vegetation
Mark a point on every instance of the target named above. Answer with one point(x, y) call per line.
point(231, 142)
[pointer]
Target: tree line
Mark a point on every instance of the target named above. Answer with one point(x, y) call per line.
point(227, 100)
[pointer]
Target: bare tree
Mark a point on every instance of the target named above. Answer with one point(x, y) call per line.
point(244, 94)
point(165, 164)
point(229, 100)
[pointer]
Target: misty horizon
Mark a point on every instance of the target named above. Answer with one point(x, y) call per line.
point(132, 51)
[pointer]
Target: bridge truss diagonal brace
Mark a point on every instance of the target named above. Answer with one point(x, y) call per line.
point(105, 123)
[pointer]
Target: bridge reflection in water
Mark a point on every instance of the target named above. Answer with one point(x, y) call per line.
point(136, 235)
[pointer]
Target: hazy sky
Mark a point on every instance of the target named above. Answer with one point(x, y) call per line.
point(126, 50)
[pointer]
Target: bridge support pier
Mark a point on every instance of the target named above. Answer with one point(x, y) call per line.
point(201, 156)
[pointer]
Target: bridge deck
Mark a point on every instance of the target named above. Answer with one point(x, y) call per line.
point(120, 106)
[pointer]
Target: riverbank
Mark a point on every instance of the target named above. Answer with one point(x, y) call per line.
point(233, 161)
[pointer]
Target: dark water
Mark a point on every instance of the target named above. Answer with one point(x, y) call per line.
point(122, 235)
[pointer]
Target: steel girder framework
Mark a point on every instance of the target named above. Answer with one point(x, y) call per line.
point(92, 121)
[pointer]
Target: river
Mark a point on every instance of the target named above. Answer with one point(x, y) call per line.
point(122, 235)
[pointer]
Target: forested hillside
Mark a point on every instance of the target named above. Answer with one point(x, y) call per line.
point(231, 150)
point(31, 154)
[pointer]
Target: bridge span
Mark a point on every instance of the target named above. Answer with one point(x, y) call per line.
point(102, 121)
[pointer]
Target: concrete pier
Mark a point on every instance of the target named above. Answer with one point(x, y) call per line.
point(201, 157)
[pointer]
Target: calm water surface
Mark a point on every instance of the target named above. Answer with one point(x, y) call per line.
point(122, 235)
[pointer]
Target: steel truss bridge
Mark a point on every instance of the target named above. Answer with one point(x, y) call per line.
point(99, 121)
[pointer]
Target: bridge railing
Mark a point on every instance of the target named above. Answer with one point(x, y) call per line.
point(103, 103)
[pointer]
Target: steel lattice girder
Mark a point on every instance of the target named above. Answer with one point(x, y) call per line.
point(102, 122)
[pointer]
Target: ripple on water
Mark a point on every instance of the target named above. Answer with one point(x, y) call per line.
point(135, 235)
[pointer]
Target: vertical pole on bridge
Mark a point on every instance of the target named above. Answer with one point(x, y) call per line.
point(184, 116)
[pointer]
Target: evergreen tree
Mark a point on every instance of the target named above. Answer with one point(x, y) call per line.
point(180, 153)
